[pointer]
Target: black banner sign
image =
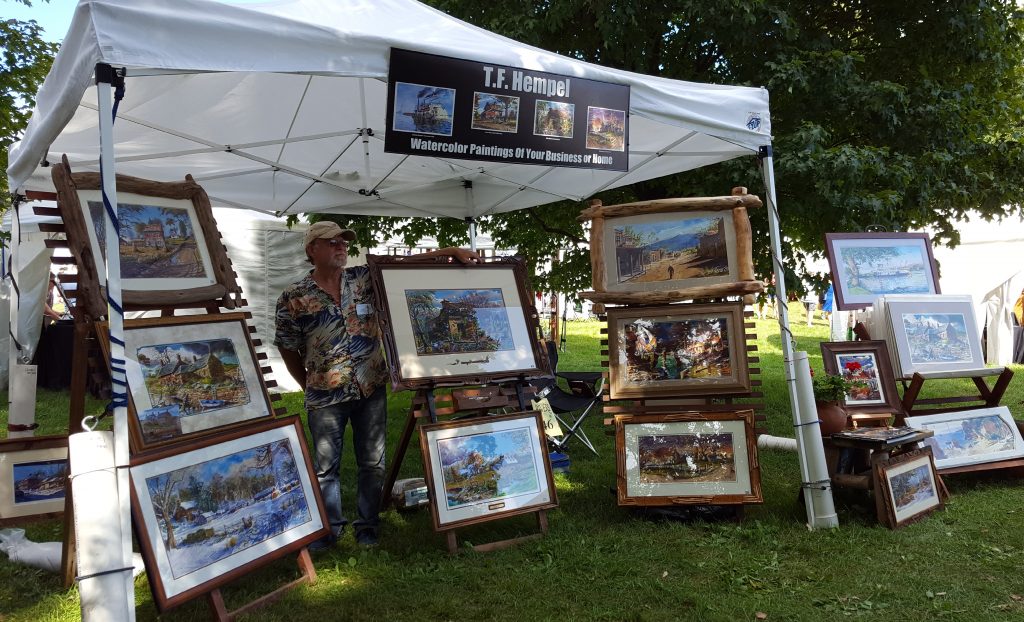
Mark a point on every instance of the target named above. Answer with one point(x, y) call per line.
point(468, 110)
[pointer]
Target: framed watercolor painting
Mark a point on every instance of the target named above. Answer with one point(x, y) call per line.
point(933, 334)
point(189, 375)
point(690, 458)
point(485, 468)
point(677, 351)
point(449, 324)
point(971, 437)
point(866, 364)
point(235, 502)
point(33, 477)
point(909, 486)
point(169, 244)
point(667, 251)
point(868, 265)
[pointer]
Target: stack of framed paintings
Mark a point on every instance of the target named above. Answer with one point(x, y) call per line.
point(930, 334)
point(671, 250)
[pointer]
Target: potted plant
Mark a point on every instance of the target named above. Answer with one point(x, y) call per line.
point(830, 397)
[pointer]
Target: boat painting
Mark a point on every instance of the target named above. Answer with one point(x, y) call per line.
point(423, 109)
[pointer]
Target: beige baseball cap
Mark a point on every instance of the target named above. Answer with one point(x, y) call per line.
point(326, 230)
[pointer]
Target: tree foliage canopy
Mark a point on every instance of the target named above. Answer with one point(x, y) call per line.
point(25, 59)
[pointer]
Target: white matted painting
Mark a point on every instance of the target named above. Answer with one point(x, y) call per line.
point(161, 241)
point(450, 322)
point(33, 476)
point(971, 436)
point(191, 374)
point(867, 265)
point(934, 334)
point(236, 502)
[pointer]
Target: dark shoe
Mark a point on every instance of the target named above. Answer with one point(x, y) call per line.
point(367, 537)
point(323, 544)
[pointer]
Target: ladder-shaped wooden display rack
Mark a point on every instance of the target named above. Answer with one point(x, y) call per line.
point(89, 305)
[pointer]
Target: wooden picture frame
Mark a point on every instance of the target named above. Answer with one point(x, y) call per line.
point(677, 351)
point(33, 478)
point(658, 458)
point(178, 261)
point(505, 454)
point(971, 438)
point(909, 486)
point(656, 252)
point(487, 335)
point(868, 265)
point(206, 548)
point(868, 364)
point(189, 376)
point(932, 334)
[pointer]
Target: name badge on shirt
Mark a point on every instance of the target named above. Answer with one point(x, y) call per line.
point(363, 309)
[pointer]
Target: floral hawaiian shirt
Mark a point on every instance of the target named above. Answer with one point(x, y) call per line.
point(340, 348)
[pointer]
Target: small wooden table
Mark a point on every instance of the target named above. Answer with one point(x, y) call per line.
point(872, 452)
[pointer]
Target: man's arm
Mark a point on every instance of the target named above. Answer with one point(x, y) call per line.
point(293, 361)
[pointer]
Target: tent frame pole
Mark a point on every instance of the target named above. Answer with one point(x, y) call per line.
point(819, 505)
point(107, 79)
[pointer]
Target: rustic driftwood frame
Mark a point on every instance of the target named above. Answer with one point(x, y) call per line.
point(890, 514)
point(204, 327)
point(15, 451)
point(486, 511)
point(878, 349)
point(835, 243)
point(738, 383)
point(91, 289)
point(169, 592)
point(603, 218)
point(383, 269)
point(687, 423)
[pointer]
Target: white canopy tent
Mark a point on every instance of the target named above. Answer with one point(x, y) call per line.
point(280, 107)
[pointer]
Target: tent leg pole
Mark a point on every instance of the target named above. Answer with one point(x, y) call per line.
point(820, 507)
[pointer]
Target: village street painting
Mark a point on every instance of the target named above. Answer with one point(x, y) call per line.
point(677, 458)
point(937, 337)
point(912, 487)
point(448, 321)
point(881, 270)
point(40, 481)
point(681, 349)
point(681, 248)
point(187, 379)
point(497, 113)
point(156, 242)
point(606, 129)
point(424, 109)
point(480, 468)
point(554, 119)
point(209, 511)
point(861, 370)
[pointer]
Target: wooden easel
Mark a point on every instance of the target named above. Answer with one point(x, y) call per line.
point(988, 397)
point(542, 526)
point(220, 612)
point(90, 304)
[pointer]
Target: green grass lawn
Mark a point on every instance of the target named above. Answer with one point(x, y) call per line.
point(602, 562)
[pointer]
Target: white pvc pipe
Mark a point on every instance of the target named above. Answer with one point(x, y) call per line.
point(767, 441)
point(818, 486)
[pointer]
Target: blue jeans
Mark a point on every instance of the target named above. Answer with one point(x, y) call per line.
point(368, 417)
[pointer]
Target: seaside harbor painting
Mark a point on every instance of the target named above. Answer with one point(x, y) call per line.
point(483, 468)
point(448, 324)
point(868, 265)
point(676, 349)
point(664, 459)
point(189, 375)
point(33, 476)
point(226, 504)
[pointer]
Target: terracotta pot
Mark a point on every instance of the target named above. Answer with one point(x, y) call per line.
point(832, 416)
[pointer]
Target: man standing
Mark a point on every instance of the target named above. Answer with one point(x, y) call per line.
point(329, 339)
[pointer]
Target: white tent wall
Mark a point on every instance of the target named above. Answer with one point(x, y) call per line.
point(987, 264)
